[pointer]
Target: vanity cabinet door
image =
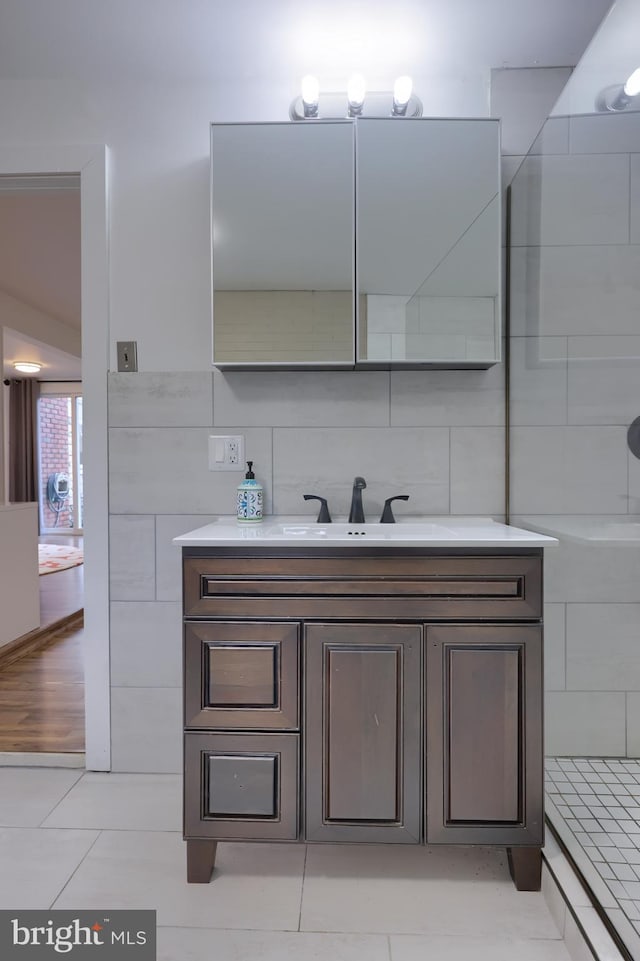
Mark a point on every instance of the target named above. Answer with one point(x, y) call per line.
point(362, 748)
point(484, 749)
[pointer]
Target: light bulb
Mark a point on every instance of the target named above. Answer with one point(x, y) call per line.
point(27, 367)
point(402, 91)
point(632, 86)
point(356, 89)
point(310, 89)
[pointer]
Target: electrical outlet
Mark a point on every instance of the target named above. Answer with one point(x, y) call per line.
point(127, 355)
point(226, 452)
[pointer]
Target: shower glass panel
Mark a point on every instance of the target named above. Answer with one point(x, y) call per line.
point(574, 392)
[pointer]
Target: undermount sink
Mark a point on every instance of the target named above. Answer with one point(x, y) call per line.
point(303, 532)
point(360, 532)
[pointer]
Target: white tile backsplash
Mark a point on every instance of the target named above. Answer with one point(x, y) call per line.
point(477, 474)
point(324, 461)
point(158, 471)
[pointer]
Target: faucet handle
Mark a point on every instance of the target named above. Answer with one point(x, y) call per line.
point(387, 513)
point(324, 517)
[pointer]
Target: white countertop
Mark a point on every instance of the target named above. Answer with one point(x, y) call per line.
point(302, 531)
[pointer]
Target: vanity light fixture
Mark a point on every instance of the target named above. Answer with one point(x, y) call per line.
point(402, 89)
point(312, 105)
point(618, 98)
point(310, 95)
point(356, 90)
point(27, 367)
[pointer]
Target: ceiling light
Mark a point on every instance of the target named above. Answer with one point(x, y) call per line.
point(26, 367)
point(401, 95)
point(310, 95)
point(356, 89)
point(617, 98)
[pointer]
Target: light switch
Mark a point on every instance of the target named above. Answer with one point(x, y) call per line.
point(226, 452)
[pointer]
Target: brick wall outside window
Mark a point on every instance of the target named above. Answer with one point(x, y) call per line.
point(55, 455)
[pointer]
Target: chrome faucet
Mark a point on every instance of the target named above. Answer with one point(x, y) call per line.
point(356, 514)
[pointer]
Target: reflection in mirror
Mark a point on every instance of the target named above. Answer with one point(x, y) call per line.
point(282, 236)
point(429, 241)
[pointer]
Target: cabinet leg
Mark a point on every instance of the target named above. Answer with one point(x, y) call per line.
point(201, 857)
point(525, 867)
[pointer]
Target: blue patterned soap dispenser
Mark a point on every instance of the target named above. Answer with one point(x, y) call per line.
point(249, 498)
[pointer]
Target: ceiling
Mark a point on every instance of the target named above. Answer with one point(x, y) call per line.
point(170, 40)
point(257, 42)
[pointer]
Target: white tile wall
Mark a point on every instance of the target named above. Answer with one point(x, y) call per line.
point(477, 471)
point(602, 647)
point(635, 196)
point(602, 133)
point(168, 556)
point(557, 291)
point(442, 398)
point(301, 398)
point(604, 374)
point(145, 648)
point(560, 200)
point(165, 470)
point(146, 729)
point(166, 399)
point(399, 460)
point(573, 470)
point(132, 558)
point(554, 647)
point(538, 384)
point(586, 723)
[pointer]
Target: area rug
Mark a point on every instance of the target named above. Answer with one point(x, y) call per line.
point(57, 557)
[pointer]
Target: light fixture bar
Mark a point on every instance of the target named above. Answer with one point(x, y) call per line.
point(333, 105)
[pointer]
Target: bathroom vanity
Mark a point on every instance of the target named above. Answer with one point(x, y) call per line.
point(373, 683)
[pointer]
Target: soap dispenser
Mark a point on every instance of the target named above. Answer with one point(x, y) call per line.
point(249, 498)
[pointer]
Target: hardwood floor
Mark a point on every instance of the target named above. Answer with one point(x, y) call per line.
point(42, 698)
point(42, 693)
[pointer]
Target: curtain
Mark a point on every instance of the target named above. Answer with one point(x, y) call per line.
point(23, 440)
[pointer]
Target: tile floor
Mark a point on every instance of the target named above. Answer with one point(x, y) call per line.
point(594, 804)
point(70, 839)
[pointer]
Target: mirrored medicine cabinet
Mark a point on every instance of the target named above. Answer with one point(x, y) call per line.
point(369, 243)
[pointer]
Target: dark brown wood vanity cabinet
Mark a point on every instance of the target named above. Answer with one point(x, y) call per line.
point(363, 695)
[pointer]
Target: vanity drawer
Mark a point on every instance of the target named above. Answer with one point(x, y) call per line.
point(388, 586)
point(241, 786)
point(241, 675)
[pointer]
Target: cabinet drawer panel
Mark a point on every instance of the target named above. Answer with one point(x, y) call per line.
point(484, 734)
point(381, 587)
point(241, 675)
point(241, 786)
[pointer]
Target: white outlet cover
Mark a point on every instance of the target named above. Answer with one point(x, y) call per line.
point(226, 452)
